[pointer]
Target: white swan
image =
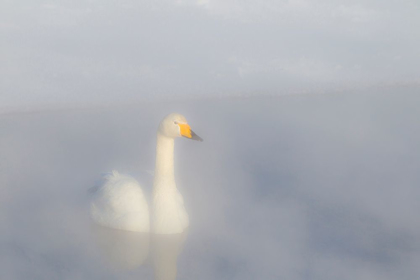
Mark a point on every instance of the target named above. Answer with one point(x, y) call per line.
point(120, 203)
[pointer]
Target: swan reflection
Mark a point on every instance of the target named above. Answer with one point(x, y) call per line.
point(165, 251)
point(125, 250)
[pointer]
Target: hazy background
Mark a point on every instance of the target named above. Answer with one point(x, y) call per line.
point(82, 52)
point(309, 112)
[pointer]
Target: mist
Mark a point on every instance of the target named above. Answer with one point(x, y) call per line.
point(81, 53)
point(296, 187)
point(308, 111)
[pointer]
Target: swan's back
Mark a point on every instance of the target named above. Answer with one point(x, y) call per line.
point(120, 203)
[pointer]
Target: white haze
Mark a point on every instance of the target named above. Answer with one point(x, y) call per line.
point(83, 52)
point(306, 187)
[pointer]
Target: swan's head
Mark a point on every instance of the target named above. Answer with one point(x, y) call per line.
point(175, 125)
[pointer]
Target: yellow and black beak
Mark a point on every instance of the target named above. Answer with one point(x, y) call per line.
point(188, 133)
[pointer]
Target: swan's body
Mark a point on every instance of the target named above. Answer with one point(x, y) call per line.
point(120, 202)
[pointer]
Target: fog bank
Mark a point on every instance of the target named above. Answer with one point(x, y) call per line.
point(298, 187)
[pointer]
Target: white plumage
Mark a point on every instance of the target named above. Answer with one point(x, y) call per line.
point(120, 203)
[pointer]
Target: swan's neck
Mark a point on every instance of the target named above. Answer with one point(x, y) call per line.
point(168, 214)
point(164, 170)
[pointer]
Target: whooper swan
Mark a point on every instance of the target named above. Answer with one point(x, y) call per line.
point(120, 203)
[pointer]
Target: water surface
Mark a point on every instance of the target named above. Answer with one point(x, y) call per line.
point(296, 187)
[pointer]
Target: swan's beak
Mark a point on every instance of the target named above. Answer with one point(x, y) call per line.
point(188, 133)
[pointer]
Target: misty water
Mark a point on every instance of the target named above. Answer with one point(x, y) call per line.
point(288, 187)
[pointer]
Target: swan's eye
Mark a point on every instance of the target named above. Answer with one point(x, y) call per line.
point(175, 122)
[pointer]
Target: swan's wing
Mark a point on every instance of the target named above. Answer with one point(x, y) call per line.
point(102, 181)
point(120, 203)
